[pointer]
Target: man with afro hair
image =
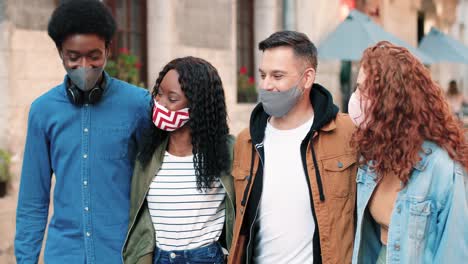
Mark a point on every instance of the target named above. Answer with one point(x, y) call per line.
point(85, 131)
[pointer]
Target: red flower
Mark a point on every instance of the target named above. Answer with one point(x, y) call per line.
point(124, 51)
point(138, 65)
point(243, 70)
point(251, 80)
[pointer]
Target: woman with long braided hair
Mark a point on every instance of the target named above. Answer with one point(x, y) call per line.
point(411, 201)
point(182, 192)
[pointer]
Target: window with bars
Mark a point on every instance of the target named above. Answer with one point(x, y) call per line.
point(246, 90)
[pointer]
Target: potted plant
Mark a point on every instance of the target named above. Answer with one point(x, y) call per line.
point(126, 67)
point(5, 175)
point(246, 90)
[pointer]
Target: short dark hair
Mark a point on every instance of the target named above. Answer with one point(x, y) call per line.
point(81, 17)
point(299, 42)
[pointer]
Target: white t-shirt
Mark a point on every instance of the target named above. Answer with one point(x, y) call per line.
point(183, 217)
point(286, 225)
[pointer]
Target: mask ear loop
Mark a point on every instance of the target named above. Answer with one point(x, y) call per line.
point(300, 79)
point(107, 52)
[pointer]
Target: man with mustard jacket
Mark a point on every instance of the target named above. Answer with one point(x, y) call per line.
point(294, 169)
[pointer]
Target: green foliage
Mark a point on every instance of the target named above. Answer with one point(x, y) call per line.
point(5, 160)
point(246, 90)
point(125, 67)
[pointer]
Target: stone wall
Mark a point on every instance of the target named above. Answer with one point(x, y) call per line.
point(29, 66)
point(30, 15)
point(4, 81)
point(399, 17)
point(35, 68)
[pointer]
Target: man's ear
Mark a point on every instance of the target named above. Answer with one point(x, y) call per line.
point(309, 77)
point(59, 50)
point(108, 50)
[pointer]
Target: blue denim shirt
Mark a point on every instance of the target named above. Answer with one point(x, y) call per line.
point(429, 221)
point(90, 149)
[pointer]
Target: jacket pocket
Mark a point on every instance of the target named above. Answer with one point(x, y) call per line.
point(418, 219)
point(339, 174)
point(240, 183)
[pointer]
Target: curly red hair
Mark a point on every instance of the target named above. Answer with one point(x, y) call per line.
point(405, 108)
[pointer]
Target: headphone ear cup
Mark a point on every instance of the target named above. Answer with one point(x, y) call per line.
point(95, 95)
point(75, 95)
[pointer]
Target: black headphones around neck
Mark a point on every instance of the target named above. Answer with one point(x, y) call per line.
point(78, 97)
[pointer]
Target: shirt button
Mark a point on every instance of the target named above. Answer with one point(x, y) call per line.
point(86, 208)
point(88, 234)
point(85, 183)
point(85, 156)
point(85, 130)
point(173, 255)
point(398, 209)
point(397, 247)
point(86, 105)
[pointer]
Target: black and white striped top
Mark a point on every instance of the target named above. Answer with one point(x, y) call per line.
point(183, 217)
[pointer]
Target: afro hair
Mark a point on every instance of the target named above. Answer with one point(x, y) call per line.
point(81, 17)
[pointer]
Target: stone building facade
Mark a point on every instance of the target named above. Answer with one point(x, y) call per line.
point(224, 32)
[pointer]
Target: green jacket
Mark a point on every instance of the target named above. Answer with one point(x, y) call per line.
point(141, 241)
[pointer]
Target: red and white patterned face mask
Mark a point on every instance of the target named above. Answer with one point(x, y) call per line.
point(168, 120)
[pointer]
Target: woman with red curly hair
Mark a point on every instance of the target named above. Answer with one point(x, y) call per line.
point(411, 202)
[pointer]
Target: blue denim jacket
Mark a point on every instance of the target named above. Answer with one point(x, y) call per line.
point(429, 222)
point(90, 150)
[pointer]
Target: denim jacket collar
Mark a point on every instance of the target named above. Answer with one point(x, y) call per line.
point(426, 151)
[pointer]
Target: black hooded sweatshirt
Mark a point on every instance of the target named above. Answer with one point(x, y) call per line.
point(324, 112)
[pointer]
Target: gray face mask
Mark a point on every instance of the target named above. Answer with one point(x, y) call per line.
point(85, 78)
point(278, 104)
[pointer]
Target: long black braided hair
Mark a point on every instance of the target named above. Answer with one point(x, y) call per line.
point(203, 88)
